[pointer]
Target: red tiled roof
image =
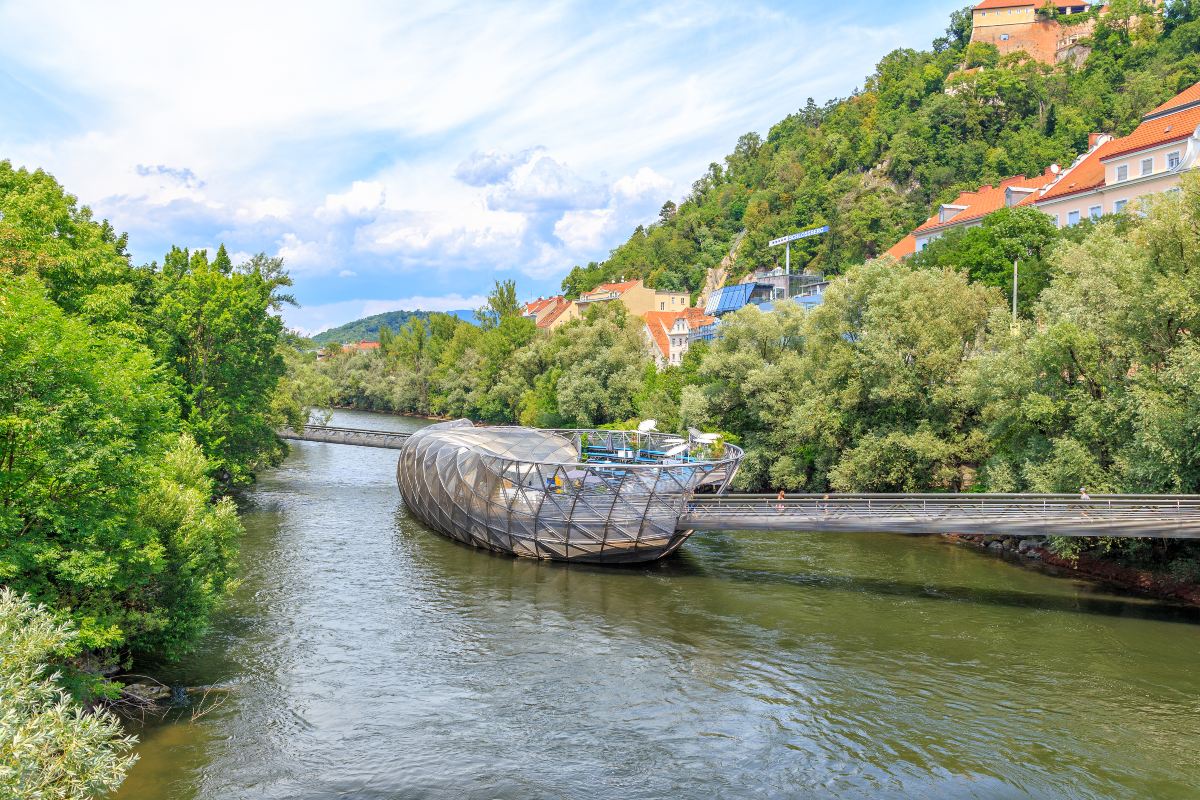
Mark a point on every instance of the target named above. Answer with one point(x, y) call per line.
point(1186, 97)
point(658, 329)
point(619, 288)
point(987, 199)
point(535, 306)
point(1157, 131)
point(363, 345)
point(988, 4)
point(903, 248)
point(549, 319)
point(1086, 174)
point(660, 322)
point(696, 317)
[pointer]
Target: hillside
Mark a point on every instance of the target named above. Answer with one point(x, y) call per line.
point(368, 328)
point(922, 128)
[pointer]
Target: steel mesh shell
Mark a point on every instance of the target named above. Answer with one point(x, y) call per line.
point(536, 493)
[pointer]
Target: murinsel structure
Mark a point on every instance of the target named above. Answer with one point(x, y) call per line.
point(566, 495)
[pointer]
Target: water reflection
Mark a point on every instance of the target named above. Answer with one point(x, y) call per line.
point(371, 658)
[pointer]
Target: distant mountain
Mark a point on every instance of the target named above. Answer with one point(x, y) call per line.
point(367, 328)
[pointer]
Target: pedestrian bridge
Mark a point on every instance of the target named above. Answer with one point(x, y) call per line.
point(1153, 516)
point(361, 437)
point(1149, 516)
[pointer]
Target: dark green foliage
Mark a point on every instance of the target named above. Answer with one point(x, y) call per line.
point(123, 392)
point(587, 372)
point(213, 327)
point(368, 329)
point(986, 252)
point(921, 130)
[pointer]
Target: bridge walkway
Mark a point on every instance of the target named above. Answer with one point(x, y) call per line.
point(362, 437)
point(1154, 516)
point(1151, 516)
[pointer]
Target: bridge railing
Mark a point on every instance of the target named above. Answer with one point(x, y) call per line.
point(1018, 514)
point(362, 437)
point(1001, 504)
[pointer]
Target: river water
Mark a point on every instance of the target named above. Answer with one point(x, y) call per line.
point(366, 657)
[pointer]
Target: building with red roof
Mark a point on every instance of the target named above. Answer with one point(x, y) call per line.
point(550, 312)
point(360, 346)
point(668, 333)
point(637, 298)
point(1116, 172)
point(969, 208)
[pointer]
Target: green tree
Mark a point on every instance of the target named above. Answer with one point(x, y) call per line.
point(501, 304)
point(82, 263)
point(987, 252)
point(82, 414)
point(49, 746)
point(216, 331)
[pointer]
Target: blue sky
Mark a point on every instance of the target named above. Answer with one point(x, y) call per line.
point(409, 157)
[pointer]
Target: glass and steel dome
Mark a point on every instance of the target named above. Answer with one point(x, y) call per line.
point(568, 495)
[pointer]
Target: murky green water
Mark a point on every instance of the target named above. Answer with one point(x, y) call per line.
point(369, 658)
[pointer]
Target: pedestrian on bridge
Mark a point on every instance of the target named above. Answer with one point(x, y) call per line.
point(1083, 495)
point(780, 497)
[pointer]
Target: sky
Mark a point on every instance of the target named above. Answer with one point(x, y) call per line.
point(408, 155)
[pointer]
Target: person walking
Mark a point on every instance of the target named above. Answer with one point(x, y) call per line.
point(1083, 495)
point(780, 497)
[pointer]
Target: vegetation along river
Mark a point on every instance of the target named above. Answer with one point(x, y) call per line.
point(366, 657)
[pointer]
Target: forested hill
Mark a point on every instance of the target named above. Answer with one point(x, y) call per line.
point(367, 328)
point(926, 125)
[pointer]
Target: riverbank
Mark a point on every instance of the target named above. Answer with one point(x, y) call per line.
point(1036, 553)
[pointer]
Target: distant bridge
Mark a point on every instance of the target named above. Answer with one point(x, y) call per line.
point(361, 437)
point(1151, 516)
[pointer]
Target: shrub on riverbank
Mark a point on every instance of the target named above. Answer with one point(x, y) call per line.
point(49, 746)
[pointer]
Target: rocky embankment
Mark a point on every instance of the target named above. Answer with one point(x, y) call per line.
point(1037, 551)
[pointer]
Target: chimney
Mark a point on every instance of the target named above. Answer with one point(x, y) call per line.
point(1092, 139)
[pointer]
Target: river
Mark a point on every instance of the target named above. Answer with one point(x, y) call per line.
point(366, 657)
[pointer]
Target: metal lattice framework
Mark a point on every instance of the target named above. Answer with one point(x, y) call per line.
point(568, 495)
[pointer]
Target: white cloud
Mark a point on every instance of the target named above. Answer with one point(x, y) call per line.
point(584, 230)
point(483, 168)
point(264, 208)
point(475, 228)
point(347, 273)
point(301, 256)
point(380, 138)
point(643, 182)
point(362, 198)
point(542, 184)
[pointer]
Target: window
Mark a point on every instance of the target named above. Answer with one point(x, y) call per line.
point(1055, 218)
point(1095, 211)
point(1173, 160)
point(1123, 172)
point(1147, 166)
point(1072, 218)
point(1119, 206)
point(1004, 37)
